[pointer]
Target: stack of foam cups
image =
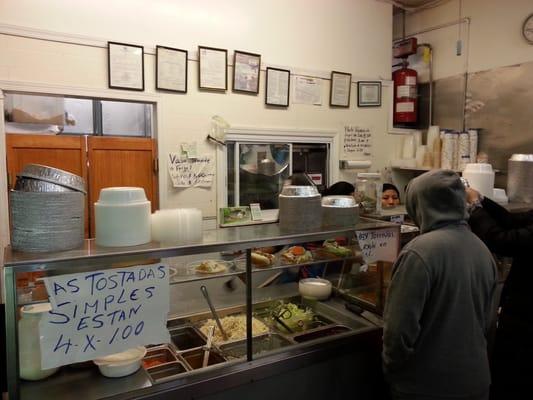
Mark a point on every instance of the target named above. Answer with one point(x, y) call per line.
point(177, 225)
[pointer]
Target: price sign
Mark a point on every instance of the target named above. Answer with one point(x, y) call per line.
point(103, 312)
point(378, 245)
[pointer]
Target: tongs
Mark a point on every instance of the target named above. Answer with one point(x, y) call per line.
point(283, 324)
point(207, 348)
point(213, 312)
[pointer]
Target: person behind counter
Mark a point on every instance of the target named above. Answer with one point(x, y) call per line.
point(509, 234)
point(440, 300)
point(390, 196)
point(340, 189)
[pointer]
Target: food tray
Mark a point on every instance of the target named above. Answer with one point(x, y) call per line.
point(166, 372)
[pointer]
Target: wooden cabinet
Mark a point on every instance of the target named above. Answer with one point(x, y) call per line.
point(101, 161)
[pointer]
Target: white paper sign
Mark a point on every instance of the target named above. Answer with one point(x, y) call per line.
point(189, 172)
point(357, 142)
point(104, 312)
point(378, 245)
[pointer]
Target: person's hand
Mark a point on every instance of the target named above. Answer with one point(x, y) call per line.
point(472, 196)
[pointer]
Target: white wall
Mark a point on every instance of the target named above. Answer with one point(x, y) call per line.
point(316, 36)
point(494, 38)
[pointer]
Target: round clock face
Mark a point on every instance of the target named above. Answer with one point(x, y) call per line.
point(527, 29)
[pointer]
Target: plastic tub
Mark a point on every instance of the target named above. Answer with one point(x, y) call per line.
point(315, 288)
point(121, 364)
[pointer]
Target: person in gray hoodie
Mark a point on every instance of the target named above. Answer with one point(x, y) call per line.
point(440, 302)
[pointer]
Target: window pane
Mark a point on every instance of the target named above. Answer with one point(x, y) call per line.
point(78, 116)
point(126, 119)
point(262, 170)
point(34, 114)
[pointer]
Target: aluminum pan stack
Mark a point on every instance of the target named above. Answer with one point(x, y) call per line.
point(520, 178)
point(47, 210)
point(339, 211)
point(300, 208)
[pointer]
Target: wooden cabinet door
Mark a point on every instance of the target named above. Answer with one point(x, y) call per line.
point(119, 161)
point(59, 151)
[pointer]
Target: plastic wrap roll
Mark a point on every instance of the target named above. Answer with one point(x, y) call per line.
point(408, 147)
point(463, 153)
point(420, 155)
point(520, 178)
point(473, 137)
point(447, 151)
point(417, 137)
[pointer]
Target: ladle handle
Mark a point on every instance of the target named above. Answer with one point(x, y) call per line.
point(213, 311)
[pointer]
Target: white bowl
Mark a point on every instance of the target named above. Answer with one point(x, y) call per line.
point(315, 288)
point(121, 364)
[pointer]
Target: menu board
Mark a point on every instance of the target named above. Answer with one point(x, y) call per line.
point(104, 312)
point(357, 142)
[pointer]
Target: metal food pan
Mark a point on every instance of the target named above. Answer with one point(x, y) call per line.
point(25, 184)
point(194, 358)
point(260, 344)
point(186, 338)
point(54, 175)
point(166, 372)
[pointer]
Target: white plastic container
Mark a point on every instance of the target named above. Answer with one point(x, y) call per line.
point(122, 217)
point(480, 177)
point(500, 197)
point(29, 344)
point(315, 288)
point(121, 364)
point(177, 225)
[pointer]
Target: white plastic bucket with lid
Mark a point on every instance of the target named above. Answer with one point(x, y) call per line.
point(29, 342)
point(480, 176)
point(122, 217)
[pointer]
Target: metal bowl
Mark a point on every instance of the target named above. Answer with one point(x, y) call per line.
point(339, 201)
point(35, 185)
point(54, 175)
point(299, 191)
point(522, 157)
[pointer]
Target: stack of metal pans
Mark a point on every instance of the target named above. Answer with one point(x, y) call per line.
point(300, 209)
point(47, 210)
point(520, 178)
point(339, 211)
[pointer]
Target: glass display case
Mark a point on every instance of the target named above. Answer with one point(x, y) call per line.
point(253, 279)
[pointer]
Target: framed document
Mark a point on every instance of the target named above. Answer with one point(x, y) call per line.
point(369, 94)
point(171, 69)
point(125, 66)
point(213, 68)
point(277, 87)
point(246, 70)
point(340, 88)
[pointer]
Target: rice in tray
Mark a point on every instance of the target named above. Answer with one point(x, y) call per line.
point(234, 326)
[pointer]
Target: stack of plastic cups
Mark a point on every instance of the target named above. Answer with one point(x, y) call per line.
point(447, 154)
point(473, 137)
point(463, 151)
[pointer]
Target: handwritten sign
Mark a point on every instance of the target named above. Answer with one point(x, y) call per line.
point(378, 245)
point(357, 142)
point(103, 312)
point(189, 172)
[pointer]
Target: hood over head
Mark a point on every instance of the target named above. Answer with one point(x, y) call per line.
point(436, 199)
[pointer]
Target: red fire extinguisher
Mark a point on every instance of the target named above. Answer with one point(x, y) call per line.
point(405, 92)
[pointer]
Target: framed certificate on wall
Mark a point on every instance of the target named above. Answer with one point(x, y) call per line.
point(213, 68)
point(339, 92)
point(277, 87)
point(125, 64)
point(369, 94)
point(171, 69)
point(246, 72)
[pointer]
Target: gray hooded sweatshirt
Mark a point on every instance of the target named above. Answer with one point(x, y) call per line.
point(440, 301)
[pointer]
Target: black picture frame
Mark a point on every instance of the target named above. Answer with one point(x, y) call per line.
point(201, 83)
point(272, 101)
point(238, 85)
point(334, 76)
point(159, 85)
point(113, 68)
point(362, 98)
